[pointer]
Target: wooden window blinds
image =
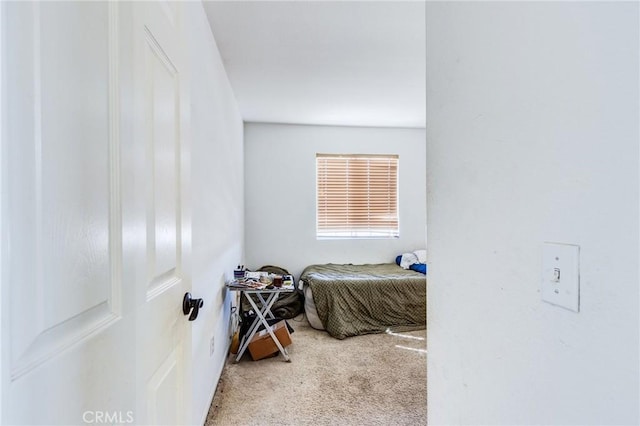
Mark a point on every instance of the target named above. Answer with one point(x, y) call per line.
point(357, 196)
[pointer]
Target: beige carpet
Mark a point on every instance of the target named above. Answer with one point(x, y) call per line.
point(376, 379)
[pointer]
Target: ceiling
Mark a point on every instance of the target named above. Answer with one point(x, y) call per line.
point(352, 63)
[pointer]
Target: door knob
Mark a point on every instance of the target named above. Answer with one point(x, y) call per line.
point(191, 305)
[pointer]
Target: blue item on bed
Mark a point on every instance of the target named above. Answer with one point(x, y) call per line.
point(418, 267)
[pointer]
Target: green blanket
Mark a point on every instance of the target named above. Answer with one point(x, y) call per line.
point(364, 299)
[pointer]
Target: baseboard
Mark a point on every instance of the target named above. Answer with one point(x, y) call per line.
point(203, 419)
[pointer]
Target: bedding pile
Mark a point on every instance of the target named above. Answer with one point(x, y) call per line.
point(364, 299)
point(415, 260)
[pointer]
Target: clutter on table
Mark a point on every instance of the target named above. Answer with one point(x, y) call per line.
point(244, 279)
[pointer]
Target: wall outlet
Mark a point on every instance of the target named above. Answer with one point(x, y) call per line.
point(211, 347)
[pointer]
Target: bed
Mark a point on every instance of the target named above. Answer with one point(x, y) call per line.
point(349, 300)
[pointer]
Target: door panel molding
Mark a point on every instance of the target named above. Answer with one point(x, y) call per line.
point(163, 153)
point(60, 337)
point(41, 337)
point(162, 405)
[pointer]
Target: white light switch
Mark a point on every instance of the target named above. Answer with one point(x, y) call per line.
point(561, 275)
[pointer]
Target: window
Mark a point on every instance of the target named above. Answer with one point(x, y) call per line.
point(357, 196)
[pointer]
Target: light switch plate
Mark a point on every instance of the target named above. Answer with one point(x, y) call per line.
point(561, 275)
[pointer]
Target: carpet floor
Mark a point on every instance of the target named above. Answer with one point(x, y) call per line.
point(375, 379)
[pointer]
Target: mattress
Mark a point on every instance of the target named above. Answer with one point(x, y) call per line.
point(348, 300)
point(310, 309)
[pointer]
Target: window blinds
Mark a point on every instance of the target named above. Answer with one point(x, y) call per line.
point(357, 196)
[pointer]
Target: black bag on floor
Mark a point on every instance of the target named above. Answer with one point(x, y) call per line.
point(249, 317)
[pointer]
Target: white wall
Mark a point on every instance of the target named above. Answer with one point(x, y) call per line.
point(217, 203)
point(532, 136)
point(281, 193)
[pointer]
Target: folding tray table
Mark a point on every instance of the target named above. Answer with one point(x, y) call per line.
point(262, 314)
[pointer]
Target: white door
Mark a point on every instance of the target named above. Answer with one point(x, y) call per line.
point(94, 223)
point(161, 159)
